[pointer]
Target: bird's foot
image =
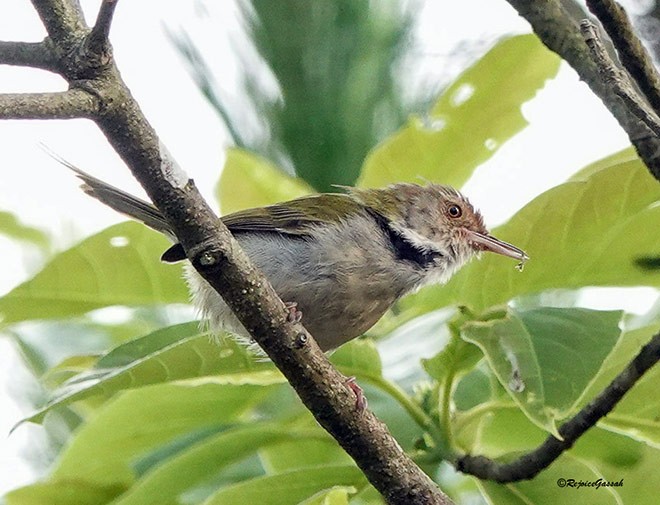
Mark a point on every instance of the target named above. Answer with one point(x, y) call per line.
point(360, 400)
point(293, 314)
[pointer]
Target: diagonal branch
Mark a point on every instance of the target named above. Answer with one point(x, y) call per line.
point(561, 34)
point(27, 54)
point(617, 79)
point(530, 464)
point(632, 53)
point(63, 19)
point(70, 104)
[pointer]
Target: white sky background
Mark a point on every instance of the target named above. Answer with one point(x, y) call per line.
point(569, 128)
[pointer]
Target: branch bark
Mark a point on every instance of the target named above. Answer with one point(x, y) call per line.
point(617, 79)
point(530, 464)
point(83, 59)
point(632, 53)
point(27, 54)
point(561, 34)
point(70, 104)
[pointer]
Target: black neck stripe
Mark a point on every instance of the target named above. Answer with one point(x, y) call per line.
point(403, 248)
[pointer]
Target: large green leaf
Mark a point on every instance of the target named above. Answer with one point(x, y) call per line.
point(337, 495)
point(638, 413)
point(582, 233)
point(118, 266)
point(137, 421)
point(248, 181)
point(469, 122)
point(288, 488)
point(173, 353)
point(203, 462)
point(62, 493)
point(528, 351)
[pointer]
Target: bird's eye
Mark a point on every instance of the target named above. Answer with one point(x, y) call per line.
point(454, 211)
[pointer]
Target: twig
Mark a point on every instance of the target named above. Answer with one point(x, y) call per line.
point(97, 40)
point(632, 53)
point(557, 30)
point(617, 79)
point(530, 464)
point(69, 104)
point(27, 54)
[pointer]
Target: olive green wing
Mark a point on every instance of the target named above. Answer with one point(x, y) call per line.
point(296, 217)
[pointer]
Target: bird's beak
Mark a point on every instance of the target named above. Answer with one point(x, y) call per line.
point(487, 242)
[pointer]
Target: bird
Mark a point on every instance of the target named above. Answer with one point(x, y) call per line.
point(339, 260)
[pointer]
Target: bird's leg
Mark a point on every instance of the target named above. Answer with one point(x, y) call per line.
point(293, 314)
point(360, 400)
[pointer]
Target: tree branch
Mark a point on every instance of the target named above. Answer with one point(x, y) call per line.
point(219, 259)
point(69, 104)
point(27, 54)
point(97, 40)
point(63, 19)
point(617, 79)
point(560, 33)
point(530, 464)
point(632, 53)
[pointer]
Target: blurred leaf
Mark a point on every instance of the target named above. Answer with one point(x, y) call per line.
point(337, 495)
point(248, 181)
point(623, 156)
point(137, 421)
point(307, 452)
point(288, 488)
point(545, 490)
point(76, 492)
point(203, 462)
point(640, 487)
point(13, 228)
point(118, 266)
point(497, 428)
point(478, 113)
point(359, 357)
point(581, 233)
point(174, 353)
point(335, 64)
point(528, 351)
point(601, 446)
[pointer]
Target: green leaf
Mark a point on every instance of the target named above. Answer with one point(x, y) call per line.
point(12, 227)
point(359, 358)
point(528, 351)
point(581, 233)
point(545, 488)
point(248, 181)
point(118, 266)
point(72, 492)
point(288, 488)
point(315, 450)
point(174, 353)
point(640, 487)
point(458, 356)
point(203, 462)
point(137, 421)
point(337, 495)
point(469, 122)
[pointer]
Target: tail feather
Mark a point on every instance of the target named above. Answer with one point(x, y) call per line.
point(119, 200)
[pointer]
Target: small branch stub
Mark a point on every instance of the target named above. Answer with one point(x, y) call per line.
point(207, 259)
